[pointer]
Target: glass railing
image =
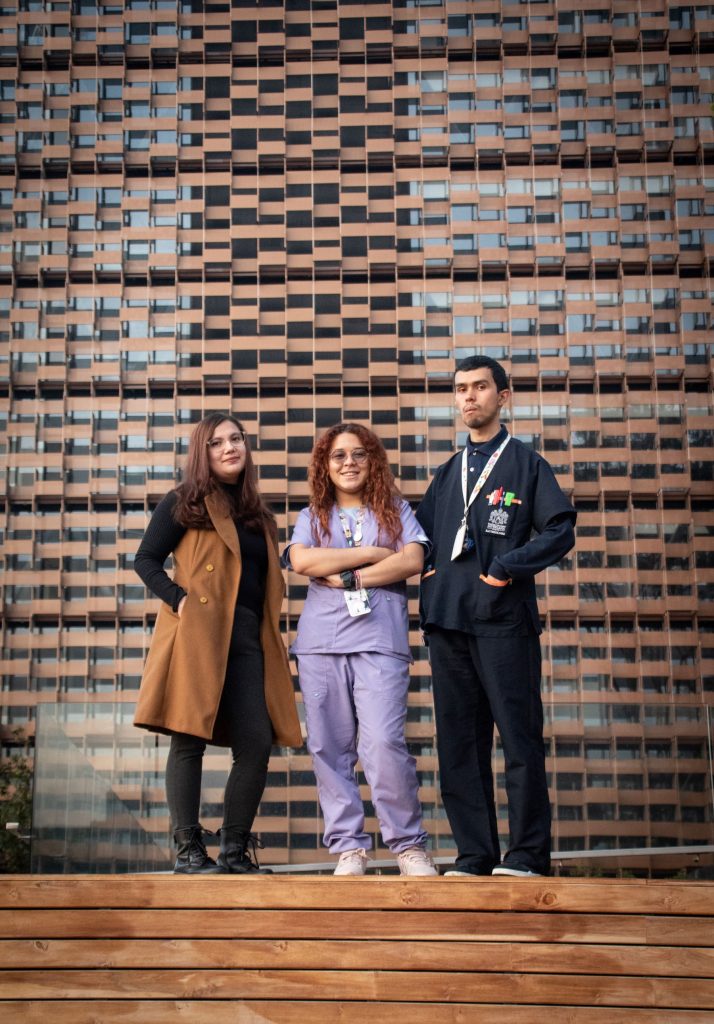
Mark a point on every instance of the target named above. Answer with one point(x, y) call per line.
point(631, 790)
point(85, 817)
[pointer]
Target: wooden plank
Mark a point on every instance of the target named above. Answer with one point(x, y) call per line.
point(277, 892)
point(384, 986)
point(654, 961)
point(463, 951)
point(352, 1012)
point(313, 954)
point(676, 931)
point(367, 924)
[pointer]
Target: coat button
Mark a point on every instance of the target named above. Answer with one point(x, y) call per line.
point(209, 567)
point(203, 600)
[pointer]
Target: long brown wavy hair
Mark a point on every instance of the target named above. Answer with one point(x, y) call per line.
point(381, 494)
point(243, 501)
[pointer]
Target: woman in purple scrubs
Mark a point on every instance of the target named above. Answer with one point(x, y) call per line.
point(358, 541)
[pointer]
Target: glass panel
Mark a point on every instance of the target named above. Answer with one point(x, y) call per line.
point(630, 793)
point(90, 767)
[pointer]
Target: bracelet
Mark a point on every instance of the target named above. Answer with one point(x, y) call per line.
point(348, 578)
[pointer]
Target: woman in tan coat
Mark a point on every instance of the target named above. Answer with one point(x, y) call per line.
point(217, 669)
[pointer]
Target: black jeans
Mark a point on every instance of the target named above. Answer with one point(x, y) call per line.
point(244, 715)
point(479, 680)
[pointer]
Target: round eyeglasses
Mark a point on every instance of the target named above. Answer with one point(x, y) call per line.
point(236, 440)
point(358, 455)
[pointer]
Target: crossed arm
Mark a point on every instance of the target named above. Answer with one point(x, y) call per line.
point(378, 566)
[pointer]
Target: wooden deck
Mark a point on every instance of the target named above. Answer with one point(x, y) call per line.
point(150, 949)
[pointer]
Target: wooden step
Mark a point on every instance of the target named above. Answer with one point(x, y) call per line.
point(294, 950)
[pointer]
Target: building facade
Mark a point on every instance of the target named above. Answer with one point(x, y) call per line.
point(306, 211)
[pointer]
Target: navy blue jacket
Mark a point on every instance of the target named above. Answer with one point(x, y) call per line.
point(520, 523)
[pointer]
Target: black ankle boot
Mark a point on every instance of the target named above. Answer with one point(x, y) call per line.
point(192, 856)
point(238, 853)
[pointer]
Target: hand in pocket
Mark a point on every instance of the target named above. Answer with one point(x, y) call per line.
point(490, 603)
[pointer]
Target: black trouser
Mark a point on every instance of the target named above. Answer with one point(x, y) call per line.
point(478, 681)
point(244, 717)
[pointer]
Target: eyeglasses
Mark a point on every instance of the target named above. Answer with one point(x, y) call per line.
point(358, 455)
point(236, 440)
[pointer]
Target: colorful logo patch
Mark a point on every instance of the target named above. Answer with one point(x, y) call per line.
point(501, 498)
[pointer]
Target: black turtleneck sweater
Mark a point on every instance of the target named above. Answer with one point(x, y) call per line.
point(162, 538)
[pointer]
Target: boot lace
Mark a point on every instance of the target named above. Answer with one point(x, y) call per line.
point(252, 844)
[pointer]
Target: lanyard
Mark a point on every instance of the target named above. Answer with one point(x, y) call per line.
point(357, 601)
point(353, 540)
point(468, 501)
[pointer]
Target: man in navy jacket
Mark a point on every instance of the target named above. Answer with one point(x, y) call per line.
point(496, 517)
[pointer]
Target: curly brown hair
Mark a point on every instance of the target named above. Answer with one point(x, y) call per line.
point(243, 502)
point(381, 494)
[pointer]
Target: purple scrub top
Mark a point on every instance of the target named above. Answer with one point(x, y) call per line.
point(325, 626)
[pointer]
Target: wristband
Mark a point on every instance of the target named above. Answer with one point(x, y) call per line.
point(348, 578)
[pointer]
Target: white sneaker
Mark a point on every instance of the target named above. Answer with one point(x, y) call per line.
point(352, 862)
point(520, 872)
point(415, 861)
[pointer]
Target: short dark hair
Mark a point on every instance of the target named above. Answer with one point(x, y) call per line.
point(478, 362)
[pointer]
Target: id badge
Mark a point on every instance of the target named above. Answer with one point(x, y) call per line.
point(357, 602)
point(459, 541)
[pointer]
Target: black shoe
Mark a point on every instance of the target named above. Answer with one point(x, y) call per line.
point(238, 853)
point(192, 856)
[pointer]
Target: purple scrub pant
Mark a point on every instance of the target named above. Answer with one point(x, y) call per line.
point(356, 705)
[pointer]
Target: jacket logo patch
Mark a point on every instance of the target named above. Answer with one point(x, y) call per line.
point(500, 500)
point(497, 522)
